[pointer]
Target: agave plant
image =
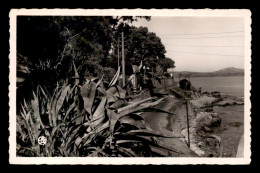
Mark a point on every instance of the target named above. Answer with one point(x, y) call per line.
point(113, 126)
point(47, 116)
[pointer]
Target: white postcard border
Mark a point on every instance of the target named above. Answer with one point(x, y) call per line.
point(246, 14)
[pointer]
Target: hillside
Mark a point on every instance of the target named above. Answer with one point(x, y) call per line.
point(230, 71)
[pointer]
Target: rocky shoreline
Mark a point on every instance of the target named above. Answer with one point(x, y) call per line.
point(211, 132)
point(204, 139)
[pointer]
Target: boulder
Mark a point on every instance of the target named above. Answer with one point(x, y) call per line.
point(185, 84)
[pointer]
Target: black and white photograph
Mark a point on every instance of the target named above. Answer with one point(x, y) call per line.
point(129, 86)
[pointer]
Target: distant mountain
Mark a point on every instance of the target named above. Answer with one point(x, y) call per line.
point(230, 71)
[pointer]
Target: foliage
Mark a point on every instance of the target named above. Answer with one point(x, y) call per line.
point(52, 43)
point(166, 63)
point(47, 115)
point(89, 120)
point(140, 45)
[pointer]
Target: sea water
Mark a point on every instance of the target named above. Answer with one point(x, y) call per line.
point(226, 85)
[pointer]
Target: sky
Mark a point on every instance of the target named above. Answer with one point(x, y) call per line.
point(201, 44)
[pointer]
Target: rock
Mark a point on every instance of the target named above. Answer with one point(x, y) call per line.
point(226, 103)
point(193, 143)
point(201, 144)
point(203, 101)
point(209, 109)
point(206, 129)
point(207, 119)
point(227, 100)
point(215, 94)
point(200, 123)
point(235, 124)
point(211, 142)
point(185, 84)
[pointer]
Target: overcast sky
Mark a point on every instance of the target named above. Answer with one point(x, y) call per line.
point(200, 44)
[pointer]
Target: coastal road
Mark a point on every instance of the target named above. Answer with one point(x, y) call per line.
point(159, 121)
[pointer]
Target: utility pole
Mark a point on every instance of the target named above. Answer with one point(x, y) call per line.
point(118, 54)
point(188, 123)
point(123, 60)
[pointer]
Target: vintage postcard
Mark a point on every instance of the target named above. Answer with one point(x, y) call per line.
point(158, 86)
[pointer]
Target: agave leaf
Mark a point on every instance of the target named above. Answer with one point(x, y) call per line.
point(117, 91)
point(110, 99)
point(57, 101)
point(71, 137)
point(145, 132)
point(99, 113)
point(102, 153)
point(100, 109)
point(153, 103)
point(72, 106)
point(88, 91)
point(136, 108)
point(131, 105)
point(176, 149)
point(23, 113)
point(99, 81)
point(113, 117)
point(134, 120)
point(80, 118)
point(49, 112)
point(63, 152)
point(30, 133)
point(29, 128)
point(34, 129)
point(61, 98)
point(76, 130)
point(127, 152)
point(75, 72)
point(75, 119)
point(94, 79)
point(32, 150)
point(102, 90)
point(43, 92)
point(152, 109)
point(115, 78)
point(54, 130)
point(78, 141)
point(127, 141)
point(53, 104)
point(160, 151)
point(70, 92)
point(52, 137)
point(142, 139)
point(97, 152)
point(117, 104)
point(128, 82)
point(147, 139)
point(89, 123)
point(25, 104)
point(131, 119)
point(19, 129)
point(35, 107)
point(86, 139)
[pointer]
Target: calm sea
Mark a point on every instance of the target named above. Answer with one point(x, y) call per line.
point(226, 85)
